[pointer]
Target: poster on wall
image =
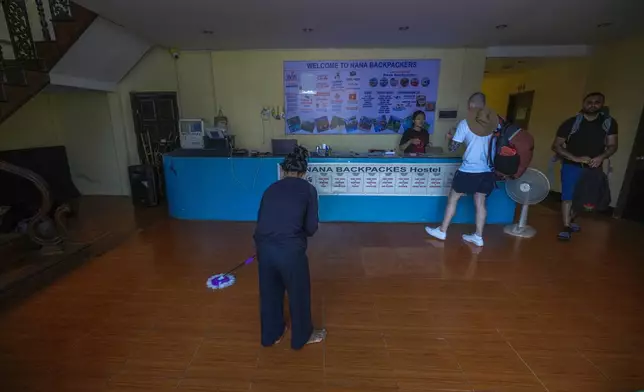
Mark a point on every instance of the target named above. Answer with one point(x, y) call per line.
point(358, 96)
point(381, 179)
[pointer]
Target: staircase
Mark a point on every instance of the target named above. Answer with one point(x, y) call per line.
point(26, 75)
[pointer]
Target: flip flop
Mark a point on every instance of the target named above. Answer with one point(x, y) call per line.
point(575, 228)
point(564, 235)
point(281, 337)
point(317, 336)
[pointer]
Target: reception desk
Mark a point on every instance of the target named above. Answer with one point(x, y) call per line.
point(350, 188)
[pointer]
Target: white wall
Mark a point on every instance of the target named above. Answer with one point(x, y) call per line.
point(100, 58)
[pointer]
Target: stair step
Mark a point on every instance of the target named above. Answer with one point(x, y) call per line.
point(16, 96)
point(37, 65)
point(13, 76)
point(11, 91)
point(22, 80)
point(49, 51)
point(68, 31)
point(78, 12)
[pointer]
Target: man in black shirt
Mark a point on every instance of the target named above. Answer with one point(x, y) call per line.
point(585, 140)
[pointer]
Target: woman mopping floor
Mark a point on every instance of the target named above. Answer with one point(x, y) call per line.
point(288, 215)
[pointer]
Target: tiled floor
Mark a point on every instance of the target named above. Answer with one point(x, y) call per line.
point(403, 313)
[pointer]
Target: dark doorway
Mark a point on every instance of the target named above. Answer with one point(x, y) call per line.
point(156, 123)
point(630, 204)
point(520, 108)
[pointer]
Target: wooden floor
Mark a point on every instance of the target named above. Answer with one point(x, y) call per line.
point(403, 313)
point(99, 224)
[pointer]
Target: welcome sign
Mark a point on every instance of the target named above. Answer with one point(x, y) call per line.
point(359, 96)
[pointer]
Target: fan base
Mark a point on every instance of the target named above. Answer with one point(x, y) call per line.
point(517, 231)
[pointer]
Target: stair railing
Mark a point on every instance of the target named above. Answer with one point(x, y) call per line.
point(3, 77)
point(44, 24)
point(41, 229)
point(60, 10)
point(22, 40)
point(20, 33)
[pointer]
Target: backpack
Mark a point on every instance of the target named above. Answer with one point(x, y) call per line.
point(608, 121)
point(606, 124)
point(592, 192)
point(511, 150)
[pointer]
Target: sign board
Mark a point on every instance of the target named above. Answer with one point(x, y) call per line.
point(359, 96)
point(381, 179)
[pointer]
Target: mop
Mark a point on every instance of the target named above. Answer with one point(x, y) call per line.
point(221, 281)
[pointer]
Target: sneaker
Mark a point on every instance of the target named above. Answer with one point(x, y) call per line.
point(436, 233)
point(474, 239)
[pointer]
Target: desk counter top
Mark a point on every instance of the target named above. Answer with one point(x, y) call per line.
point(340, 155)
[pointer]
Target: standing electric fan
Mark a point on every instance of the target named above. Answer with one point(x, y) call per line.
point(531, 188)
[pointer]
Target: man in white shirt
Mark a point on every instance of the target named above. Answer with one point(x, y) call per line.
point(475, 176)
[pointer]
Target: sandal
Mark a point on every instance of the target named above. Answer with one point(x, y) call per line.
point(281, 337)
point(565, 235)
point(317, 336)
point(575, 228)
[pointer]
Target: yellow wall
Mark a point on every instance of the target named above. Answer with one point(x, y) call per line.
point(242, 82)
point(98, 128)
point(196, 86)
point(559, 88)
point(246, 81)
point(498, 87)
point(81, 122)
point(86, 133)
point(617, 71)
point(614, 69)
point(36, 124)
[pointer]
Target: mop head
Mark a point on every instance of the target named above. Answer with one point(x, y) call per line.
point(220, 281)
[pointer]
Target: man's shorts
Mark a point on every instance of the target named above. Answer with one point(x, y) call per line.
point(471, 183)
point(570, 175)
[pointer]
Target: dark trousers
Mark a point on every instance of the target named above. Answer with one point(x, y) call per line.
point(283, 268)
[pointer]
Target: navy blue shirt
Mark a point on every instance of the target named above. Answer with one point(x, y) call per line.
point(289, 210)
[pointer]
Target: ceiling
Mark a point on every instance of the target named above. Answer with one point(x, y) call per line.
point(503, 65)
point(261, 24)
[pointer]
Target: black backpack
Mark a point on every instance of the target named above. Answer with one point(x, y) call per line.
point(503, 156)
point(592, 192)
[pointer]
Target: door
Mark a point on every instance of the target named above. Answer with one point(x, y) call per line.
point(630, 204)
point(520, 108)
point(156, 122)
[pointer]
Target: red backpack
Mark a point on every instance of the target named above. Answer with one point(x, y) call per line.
point(511, 150)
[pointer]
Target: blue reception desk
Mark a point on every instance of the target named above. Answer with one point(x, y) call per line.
point(202, 187)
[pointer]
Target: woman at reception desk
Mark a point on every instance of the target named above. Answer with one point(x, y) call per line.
point(352, 187)
point(416, 138)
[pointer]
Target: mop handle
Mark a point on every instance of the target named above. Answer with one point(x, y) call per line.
point(248, 261)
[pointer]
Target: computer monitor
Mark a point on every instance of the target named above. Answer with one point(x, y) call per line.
point(283, 147)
